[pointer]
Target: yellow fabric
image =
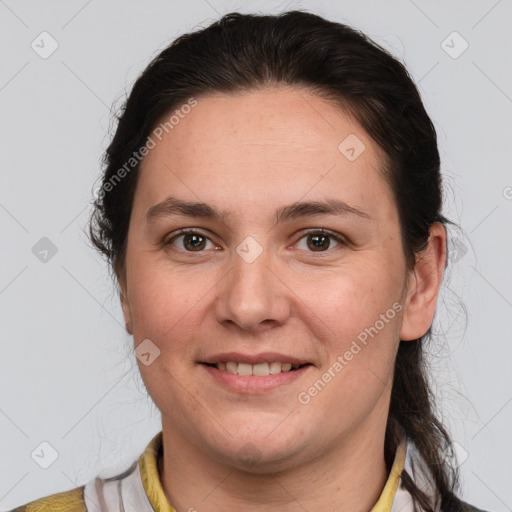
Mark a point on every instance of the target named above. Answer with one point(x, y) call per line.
point(388, 493)
point(73, 500)
point(67, 501)
point(150, 478)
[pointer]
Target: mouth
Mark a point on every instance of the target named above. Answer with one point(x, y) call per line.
point(263, 369)
point(255, 374)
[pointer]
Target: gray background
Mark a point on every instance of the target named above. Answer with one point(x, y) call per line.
point(68, 375)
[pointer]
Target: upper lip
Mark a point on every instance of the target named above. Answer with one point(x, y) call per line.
point(264, 357)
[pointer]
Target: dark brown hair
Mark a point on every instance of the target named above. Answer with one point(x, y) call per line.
point(247, 52)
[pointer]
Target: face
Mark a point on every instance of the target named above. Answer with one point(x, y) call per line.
point(263, 281)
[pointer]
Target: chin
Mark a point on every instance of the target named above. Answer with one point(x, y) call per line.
point(259, 454)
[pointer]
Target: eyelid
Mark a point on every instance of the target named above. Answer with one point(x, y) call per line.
point(323, 231)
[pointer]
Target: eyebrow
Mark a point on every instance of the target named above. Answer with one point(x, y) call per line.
point(174, 206)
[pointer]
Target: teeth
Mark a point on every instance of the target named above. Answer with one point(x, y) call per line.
point(231, 367)
point(260, 369)
point(244, 369)
point(275, 367)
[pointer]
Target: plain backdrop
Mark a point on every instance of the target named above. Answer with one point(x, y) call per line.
point(68, 375)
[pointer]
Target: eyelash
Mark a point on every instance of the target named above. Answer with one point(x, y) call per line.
point(316, 231)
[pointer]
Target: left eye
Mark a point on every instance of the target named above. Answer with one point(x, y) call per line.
point(319, 240)
point(193, 239)
point(316, 241)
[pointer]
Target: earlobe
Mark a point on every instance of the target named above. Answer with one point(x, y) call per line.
point(423, 286)
point(126, 311)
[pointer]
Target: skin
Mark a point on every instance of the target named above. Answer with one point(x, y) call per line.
point(250, 154)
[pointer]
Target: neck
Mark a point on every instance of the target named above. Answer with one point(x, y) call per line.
point(347, 479)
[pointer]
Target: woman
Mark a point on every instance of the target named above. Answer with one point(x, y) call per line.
point(271, 208)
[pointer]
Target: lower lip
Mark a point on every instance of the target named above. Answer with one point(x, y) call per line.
point(253, 384)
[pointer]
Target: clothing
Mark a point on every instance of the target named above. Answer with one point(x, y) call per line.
point(138, 489)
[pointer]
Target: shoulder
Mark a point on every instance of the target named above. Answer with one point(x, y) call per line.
point(68, 501)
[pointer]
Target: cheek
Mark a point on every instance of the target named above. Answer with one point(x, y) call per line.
point(160, 298)
point(335, 303)
point(356, 321)
point(165, 305)
point(349, 300)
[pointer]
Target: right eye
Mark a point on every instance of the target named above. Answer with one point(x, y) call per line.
point(191, 240)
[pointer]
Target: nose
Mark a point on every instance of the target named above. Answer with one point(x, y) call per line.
point(252, 295)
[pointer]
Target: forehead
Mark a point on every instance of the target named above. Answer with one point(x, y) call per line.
point(281, 116)
point(260, 146)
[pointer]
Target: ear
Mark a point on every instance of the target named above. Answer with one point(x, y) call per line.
point(423, 286)
point(125, 305)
